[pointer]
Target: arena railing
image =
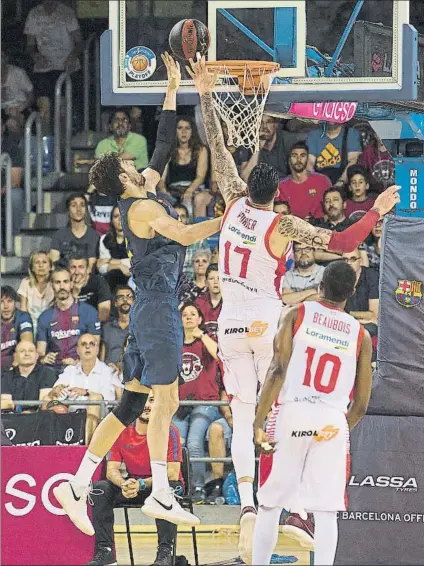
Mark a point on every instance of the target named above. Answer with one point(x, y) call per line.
point(64, 78)
point(33, 118)
point(6, 163)
point(92, 42)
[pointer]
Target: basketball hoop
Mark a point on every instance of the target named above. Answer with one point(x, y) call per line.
point(240, 103)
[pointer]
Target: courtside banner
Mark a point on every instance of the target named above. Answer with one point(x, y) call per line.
point(339, 112)
point(409, 174)
point(384, 523)
point(34, 529)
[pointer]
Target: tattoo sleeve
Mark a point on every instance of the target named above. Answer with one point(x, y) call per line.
point(227, 177)
point(299, 230)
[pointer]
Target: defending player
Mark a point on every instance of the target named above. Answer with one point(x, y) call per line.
point(156, 243)
point(321, 355)
point(255, 244)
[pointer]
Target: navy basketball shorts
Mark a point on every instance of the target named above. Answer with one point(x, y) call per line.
point(154, 351)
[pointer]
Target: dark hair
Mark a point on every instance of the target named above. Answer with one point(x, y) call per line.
point(334, 190)
point(116, 111)
point(9, 292)
point(181, 205)
point(73, 197)
point(299, 145)
point(199, 312)
point(78, 256)
point(59, 269)
point(110, 236)
point(104, 174)
point(357, 170)
point(262, 183)
point(277, 202)
point(194, 143)
point(338, 281)
point(211, 267)
point(366, 129)
point(121, 288)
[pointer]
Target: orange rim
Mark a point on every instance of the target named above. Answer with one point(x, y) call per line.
point(251, 83)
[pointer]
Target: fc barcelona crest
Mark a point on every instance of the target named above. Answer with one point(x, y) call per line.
point(409, 293)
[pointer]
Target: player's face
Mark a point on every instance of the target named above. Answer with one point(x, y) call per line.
point(200, 264)
point(298, 160)
point(133, 175)
point(77, 209)
point(304, 255)
point(145, 415)
point(353, 259)
point(62, 285)
point(268, 128)
point(116, 220)
point(212, 282)
point(184, 131)
point(358, 186)
point(88, 347)
point(8, 308)
point(334, 205)
point(120, 125)
point(26, 354)
point(191, 318)
point(40, 265)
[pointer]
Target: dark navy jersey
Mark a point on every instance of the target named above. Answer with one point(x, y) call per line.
point(11, 335)
point(156, 263)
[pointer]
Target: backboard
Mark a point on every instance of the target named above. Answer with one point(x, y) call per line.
point(331, 50)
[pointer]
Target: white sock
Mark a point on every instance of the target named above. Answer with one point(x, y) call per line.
point(88, 466)
point(266, 534)
point(243, 448)
point(326, 537)
point(159, 475)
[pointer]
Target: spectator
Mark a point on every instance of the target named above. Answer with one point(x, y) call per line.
point(60, 326)
point(88, 379)
point(372, 246)
point(100, 208)
point(272, 149)
point(16, 325)
point(54, 43)
point(127, 144)
point(376, 159)
point(331, 153)
point(77, 237)
point(210, 303)
point(36, 291)
point(200, 262)
point(113, 261)
point(16, 93)
point(334, 206)
point(184, 216)
point(358, 184)
point(363, 304)
point(115, 333)
point(200, 383)
point(282, 207)
point(303, 190)
point(90, 288)
point(28, 380)
point(302, 283)
point(187, 169)
point(131, 450)
point(12, 145)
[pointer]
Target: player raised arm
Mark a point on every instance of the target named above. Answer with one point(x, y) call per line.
point(167, 127)
point(227, 177)
point(291, 228)
point(363, 384)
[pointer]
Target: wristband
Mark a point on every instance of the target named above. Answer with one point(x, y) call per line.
point(142, 484)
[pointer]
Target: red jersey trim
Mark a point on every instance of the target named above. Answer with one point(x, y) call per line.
point(281, 266)
point(299, 318)
point(227, 211)
point(361, 335)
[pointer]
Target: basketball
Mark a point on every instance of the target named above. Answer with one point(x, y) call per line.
point(189, 37)
point(55, 406)
point(140, 62)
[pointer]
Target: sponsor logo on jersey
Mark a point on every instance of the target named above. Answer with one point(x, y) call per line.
point(247, 238)
point(8, 344)
point(257, 329)
point(399, 483)
point(60, 334)
point(327, 433)
point(409, 293)
point(239, 330)
point(340, 344)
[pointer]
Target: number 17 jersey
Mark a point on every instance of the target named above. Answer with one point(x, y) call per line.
point(248, 268)
point(322, 367)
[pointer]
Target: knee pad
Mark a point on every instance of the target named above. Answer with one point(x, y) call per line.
point(130, 406)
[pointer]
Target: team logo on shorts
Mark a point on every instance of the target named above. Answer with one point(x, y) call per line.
point(257, 329)
point(409, 293)
point(327, 433)
point(140, 63)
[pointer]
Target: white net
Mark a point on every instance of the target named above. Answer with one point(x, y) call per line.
point(241, 106)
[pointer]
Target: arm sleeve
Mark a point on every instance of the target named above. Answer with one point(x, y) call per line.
point(349, 239)
point(92, 323)
point(115, 452)
point(42, 328)
point(165, 141)
point(174, 446)
point(25, 323)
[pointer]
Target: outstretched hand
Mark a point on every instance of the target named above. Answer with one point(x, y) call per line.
point(203, 79)
point(173, 70)
point(387, 200)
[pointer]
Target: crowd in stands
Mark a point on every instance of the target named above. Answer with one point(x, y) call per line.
point(65, 327)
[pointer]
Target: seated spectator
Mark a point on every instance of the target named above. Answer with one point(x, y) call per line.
point(184, 216)
point(16, 325)
point(28, 380)
point(272, 149)
point(131, 450)
point(282, 207)
point(16, 93)
point(334, 206)
point(210, 303)
point(358, 185)
point(376, 159)
point(12, 145)
point(187, 169)
point(302, 283)
point(54, 43)
point(61, 325)
point(115, 333)
point(303, 190)
point(200, 262)
point(78, 237)
point(89, 287)
point(36, 291)
point(100, 208)
point(127, 144)
point(199, 382)
point(88, 379)
point(332, 153)
point(113, 261)
point(372, 246)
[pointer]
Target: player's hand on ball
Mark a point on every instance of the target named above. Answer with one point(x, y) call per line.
point(387, 200)
point(203, 79)
point(173, 70)
point(262, 440)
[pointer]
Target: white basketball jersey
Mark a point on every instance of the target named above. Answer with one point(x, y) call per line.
point(322, 367)
point(248, 268)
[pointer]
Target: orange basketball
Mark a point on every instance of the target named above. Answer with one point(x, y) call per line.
point(139, 62)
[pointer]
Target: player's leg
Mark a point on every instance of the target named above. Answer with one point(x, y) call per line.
point(326, 537)
point(266, 534)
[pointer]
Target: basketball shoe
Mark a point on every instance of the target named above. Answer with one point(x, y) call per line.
point(75, 506)
point(301, 530)
point(163, 504)
point(247, 526)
